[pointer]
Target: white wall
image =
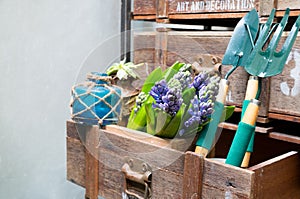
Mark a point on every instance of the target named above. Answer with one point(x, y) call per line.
point(43, 44)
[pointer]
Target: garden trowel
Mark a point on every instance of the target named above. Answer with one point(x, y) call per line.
point(237, 52)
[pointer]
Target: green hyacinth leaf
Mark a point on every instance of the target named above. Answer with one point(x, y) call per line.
point(151, 118)
point(155, 76)
point(228, 111)
point(162, 120)
point(187, 130)
point(171, 71)
point(187, 95)
point(137, 120)
point(172, 128)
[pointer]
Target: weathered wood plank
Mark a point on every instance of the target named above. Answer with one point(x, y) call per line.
point(180, 45)
point(180, 144)
point(154, 154)
point(166, 163)
point(141, 136)
point(220, 179)
point(111, 179)
point(237, 85)
point(161, 47)
point(71, 129)
point(78, 130)
point(91, 162)
point(285, 137)
point(209, 16)
point(162, 9)
point(264, 97)
point(216, 192)
point(281, 172)
point(265, 6)
point(231, 126)
point(279, 116)
point(166, 184)
point(144, 17)
point(144, 49)
point(187, 46)
point(192, 178)
point(75, 161)
point(283, 4)
point(285, 87)
point(294, 13)
point(144, 7)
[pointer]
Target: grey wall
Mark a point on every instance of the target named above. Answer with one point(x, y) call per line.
point(43, 44)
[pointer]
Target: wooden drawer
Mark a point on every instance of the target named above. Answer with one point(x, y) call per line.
point(96, 160)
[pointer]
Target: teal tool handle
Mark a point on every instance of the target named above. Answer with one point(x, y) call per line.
point(251, 142)
point(239, 145)
point(207, 135)
point(243, 134)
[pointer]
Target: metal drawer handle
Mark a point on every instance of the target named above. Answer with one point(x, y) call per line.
point(137, 175)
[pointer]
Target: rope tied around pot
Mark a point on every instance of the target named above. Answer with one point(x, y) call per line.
point(90, 108)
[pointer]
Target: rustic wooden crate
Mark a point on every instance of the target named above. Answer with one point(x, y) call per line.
point(209, 9)
point(176, 174)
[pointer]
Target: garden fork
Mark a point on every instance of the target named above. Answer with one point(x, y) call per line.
point(261, 63)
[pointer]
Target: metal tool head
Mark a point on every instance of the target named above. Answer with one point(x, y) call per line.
point(241, 42)
point(269, 62)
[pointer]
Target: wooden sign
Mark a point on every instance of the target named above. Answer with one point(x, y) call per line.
point(196, 6)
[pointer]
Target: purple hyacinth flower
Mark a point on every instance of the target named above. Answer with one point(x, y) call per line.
point(202, 104)
point(166, 99)
point(159, 90)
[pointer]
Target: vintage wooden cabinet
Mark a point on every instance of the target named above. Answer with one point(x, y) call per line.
point(113, 161)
